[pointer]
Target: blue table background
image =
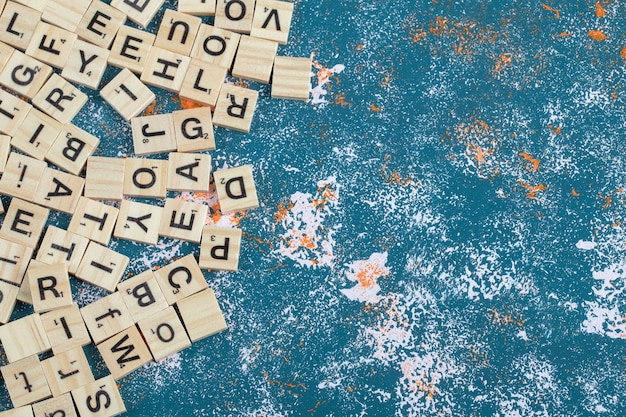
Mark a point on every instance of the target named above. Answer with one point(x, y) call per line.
point(440, 230)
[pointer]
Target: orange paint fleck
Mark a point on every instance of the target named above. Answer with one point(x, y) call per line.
point(575, 193)
point(375, 108)
point(614, 95)
point(532, 189)
point(187, 104)
point(368, 276)
point(597, 35)
point(622, 53)
point(283, 211)
point(341, 100)
point(608, 201)
point(551, 9)
point(555, 130)
point(439, 27)
point(564, 35)
point(418, 36)
point(359, 47)
point(151, 109)
point(600, 11)
point(533, 161)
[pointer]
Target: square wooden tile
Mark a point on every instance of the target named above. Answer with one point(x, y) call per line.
point(165, 69)
point(125, 352)
point(38, 5)
point(59, 190)
point(5, 150)
point(193, 129)
point(203, 82)
point(61, 246)
point(188, 172)
point(36, 134)
point(18, 24)
point(100, 23)
point(25, 381)
point(86, 64)
point(197, 7)
point(13, 111)
point(67, 370)
point(14, 260)
point(153, 134)
point(130, 48)
point(24, 411)
point(51, 44)
point(219, 248)
point(24, 337)
point(127, 94)
point(102, 266)
point(21, 176)
point(164, 333)
point(215, 45)
point(9, 293)
point(93, 220)
point(183, 220)
point(60, 99)
point(65, 329)
point(105, 388)
point(255, 59)
point(235, 189)
point(71, 149)
point(142, 295)
point(49, 287)
point(138, 222)
point(106, 317)
point(56, 406)
point(180, 279)
point(65, 13)
point(145, 178)
point(24, 222)
point(24, 74)
point(104, 179)
point(272, 19)
point(235, 108)
point(5, 54)
point(234, 15)
point(291, 78)
point(139, 12)
point(23, 294)
point(201, 315)
point(177, 32)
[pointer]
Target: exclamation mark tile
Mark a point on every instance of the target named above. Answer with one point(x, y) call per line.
point(21, 177)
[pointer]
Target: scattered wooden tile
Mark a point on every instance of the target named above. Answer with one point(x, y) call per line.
point(139, 12)
point(145, 178)
point(21, 176)
point(25, 381)
point(105, 389)
point(203, 82)
point(272, 20)
point(235, 108)
point(100, 23)
point(153, 134)
point(56, 406)
point(255, 59)
point(127, 94)
point(18, 24)
point(201, 315)
point(131, 48)
point(183, 220)
point(24, 337)
point(60, 99)
point(8, 293)
point(86, 64)
point(124, 352)
point(24, 411)
point(36, 134)
point(24, 74)
point(180, 279)
point(177, 32)
point(5, 54)
point(234, 15)
point(142, 295)
point(215, 45)
point(13, 111)
point(193, 129)
point(38, 5)
point(61, 246)
point(24, 222)
point(165, 69)
point(164, 333)
point(67, 370)
point(51, 44)
point(102, 266)
point(14, 260)
point(65, 329)
point(138, 222)
point(105, 178)
point(291, 78)
point(106, 317)
point(235, 189)
point(219, 248)
point(49, 287)
point(93, 220)
point(65, 13)
point(5, 150)
point(23, 294)
point(59, 190)
point(188, 172)
point(71, 149)
point(197, 7)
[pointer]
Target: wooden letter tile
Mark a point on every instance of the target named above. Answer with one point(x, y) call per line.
point(49, 287)
point(177, 32)
point(36, 134)
point(5, 54)
point(164, 333)
point(100, 23)
point(127, 94)
point(25, 381)
point(21, 176)
point(131, 48)
point(24, 337)
point(203, 82)
point(153, 134)
point(215, 45)
point(65, 329)
point(51, 44)
point(125, 352)
point(193, 129)
point(183, 220)
point(24, 411)
point(106, 390)
point(56, 406)
point(14, 260)
point(105, 178)
point(24, 75)
point(188, 172)
point(86, 64)
point(234, 15)
point(71, 149)
point(235, 108)
point(255, 58)
point(61, 246)
point(59, 190)
point(197, 7)
point(145, 178)
point(180, 279)
point(138, 222)
point(235, 189)
point(94, 220)
point(24, 222)
point(165, 69)
point(5, 150)
point(140, 12)
point(60, 99)
point(17, 25)
point(102, 266)
point(272, 19)
point(38, 5)
point(9, 294)
point(23, 294)
point(219, 249)
point(142, 295)
point(201, 315)
point(67, 370)
point(13, 111)
point(106, 317)
point(65, 13)
point(291, 78)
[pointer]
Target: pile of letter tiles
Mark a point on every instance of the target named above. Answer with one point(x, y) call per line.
point(48, 46)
